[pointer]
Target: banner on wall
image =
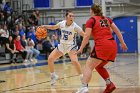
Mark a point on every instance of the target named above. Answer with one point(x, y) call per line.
point(41, 3)
point(82, 3)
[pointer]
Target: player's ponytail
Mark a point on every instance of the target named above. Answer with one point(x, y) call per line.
point(97, 9)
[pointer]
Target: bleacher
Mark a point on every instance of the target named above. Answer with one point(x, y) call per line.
point(5, 57)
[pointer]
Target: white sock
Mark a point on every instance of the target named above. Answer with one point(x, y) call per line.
point(52, 74)
point(108, 81)
point(84, 85)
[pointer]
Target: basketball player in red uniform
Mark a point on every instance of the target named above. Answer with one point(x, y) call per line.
point(105, 48)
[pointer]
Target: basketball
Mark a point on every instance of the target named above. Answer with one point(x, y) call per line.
point(41, 33)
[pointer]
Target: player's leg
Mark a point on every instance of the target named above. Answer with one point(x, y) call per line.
point(113, 51)
point(74, 60)
point(55, 54)
point(105, 75)
point(90, 65)
point(103, 71)
point(87, 73)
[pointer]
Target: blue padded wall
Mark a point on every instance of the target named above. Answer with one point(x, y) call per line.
point(128, 27)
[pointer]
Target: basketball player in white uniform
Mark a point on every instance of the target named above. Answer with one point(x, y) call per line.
point(69, 30)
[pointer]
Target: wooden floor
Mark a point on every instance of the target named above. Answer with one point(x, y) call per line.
point(21, 78)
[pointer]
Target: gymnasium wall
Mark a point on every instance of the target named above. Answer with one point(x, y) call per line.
point(60, 4)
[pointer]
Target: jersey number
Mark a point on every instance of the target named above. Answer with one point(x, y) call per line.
point(103, 23)
point(65, 37)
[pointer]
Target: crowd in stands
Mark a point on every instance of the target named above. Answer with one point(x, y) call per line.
point(17, 34)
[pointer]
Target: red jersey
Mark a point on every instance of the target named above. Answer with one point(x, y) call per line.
point(105, 46)
point(18, 45)
point(100, 27)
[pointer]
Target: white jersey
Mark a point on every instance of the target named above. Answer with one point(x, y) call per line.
point(69, 33)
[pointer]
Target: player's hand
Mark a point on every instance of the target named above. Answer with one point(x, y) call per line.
point(124, 47)
point(79, 52)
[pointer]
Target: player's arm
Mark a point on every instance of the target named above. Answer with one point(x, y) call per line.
point(86, 38)
point(79, 30)
point(51, 27)
point(119, 35)
point(88, 30)
point(82, 33)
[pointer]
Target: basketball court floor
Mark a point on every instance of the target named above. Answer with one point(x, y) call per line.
point(35, 78)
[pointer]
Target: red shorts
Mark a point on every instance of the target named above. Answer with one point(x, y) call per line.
point(105, 50)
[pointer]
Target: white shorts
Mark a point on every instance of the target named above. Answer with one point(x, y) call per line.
point(66, 48)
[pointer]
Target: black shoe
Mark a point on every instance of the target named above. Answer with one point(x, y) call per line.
point(1, 81)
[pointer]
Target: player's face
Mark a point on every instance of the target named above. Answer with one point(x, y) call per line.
point(70, 17)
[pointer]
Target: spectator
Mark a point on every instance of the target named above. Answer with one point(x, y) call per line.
point(54, 41)
point(31, 34)
point(21, 30)
point(35, 51)
point(19, 21)
point(16, 32)
point(47, 47)
point(11, 48)
point(27, 48)
point(4, 34)
point(20, 48)
point(35, 17)
point(30, 21)
point(7, 12)
point(8, 8)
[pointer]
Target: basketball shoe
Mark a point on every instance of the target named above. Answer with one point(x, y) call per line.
point(82, 90)
point(109, 88)
point(54, 78)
